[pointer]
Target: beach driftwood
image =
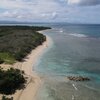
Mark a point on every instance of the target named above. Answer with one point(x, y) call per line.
point(78, 78)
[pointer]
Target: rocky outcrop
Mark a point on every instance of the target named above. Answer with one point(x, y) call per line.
point(78, 78)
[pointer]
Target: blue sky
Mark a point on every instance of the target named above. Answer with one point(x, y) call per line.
point(74, 11)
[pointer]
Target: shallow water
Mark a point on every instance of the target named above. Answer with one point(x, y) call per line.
point(75, 51)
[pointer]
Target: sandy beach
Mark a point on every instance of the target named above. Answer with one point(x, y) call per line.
point(34, 81)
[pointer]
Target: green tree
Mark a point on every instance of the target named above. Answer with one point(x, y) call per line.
point(11, 80)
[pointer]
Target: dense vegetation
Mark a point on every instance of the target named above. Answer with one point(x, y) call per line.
point(11, 80)
point(17, 41)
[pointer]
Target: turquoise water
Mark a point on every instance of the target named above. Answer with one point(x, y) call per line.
point(75, 51)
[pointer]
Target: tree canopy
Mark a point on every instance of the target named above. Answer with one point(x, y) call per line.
point(17, 41)
point(11, 80)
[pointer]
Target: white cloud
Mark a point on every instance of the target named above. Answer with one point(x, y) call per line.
point(84, 2)
point(73, 1)
point(9, 14)
point(52, 15)
point(45, 10)
point(31, 9)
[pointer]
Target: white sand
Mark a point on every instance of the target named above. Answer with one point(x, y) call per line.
point(34, 80)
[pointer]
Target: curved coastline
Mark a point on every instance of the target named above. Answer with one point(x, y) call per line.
point(33, 80)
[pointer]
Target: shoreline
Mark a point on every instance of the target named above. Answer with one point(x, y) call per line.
point(33, 81)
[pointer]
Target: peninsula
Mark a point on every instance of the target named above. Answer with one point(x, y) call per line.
point(20, 47)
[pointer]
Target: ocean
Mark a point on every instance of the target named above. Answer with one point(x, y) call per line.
point(75, 51)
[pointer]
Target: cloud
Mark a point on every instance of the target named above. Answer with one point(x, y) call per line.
point(9, 14)
point(84, 2)
point(15, 14)
point(49, 10)
point(51, 16)
point(31, 9)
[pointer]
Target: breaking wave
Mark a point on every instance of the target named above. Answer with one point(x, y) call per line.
point(78, 35)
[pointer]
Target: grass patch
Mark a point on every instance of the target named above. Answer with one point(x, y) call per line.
point(7, 58)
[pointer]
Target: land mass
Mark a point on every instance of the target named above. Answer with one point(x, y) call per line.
point(17, 41)
point(20, 47)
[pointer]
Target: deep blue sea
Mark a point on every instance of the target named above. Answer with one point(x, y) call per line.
point(75, 51)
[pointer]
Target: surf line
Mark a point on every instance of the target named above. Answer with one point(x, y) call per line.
point(75, 87)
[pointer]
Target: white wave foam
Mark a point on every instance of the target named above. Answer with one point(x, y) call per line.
point(75, 87)
point(61, 30)
point(78, 35)
point(73, 98)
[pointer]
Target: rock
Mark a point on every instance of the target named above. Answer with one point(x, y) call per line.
point(78, 78)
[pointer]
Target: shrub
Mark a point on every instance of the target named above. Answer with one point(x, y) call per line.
point(1, 61)
point(11, 80)
point(5, 98)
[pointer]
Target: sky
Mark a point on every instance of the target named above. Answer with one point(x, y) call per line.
point(71, 11)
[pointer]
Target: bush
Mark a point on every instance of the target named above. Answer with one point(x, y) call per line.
point(1, 61)
point(5, 98)
point(11, 80)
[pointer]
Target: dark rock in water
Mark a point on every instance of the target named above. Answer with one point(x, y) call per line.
point(78, 78)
